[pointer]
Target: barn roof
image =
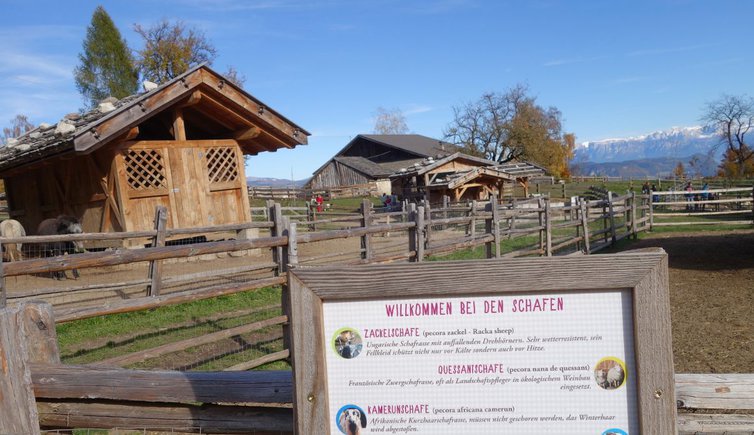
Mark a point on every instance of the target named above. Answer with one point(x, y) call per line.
point(364, 165)
point(256, 127)
point(422, 146)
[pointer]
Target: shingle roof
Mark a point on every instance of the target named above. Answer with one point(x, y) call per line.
point(47, 140)
point(364, 166)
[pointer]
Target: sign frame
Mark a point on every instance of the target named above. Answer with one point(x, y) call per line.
point(644, 273)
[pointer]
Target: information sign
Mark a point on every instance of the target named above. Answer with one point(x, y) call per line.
point(485, 350)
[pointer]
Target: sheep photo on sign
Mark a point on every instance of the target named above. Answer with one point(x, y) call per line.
point(532, 345)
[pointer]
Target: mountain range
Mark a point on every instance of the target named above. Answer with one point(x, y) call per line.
point(274, 182)
point(650, 155)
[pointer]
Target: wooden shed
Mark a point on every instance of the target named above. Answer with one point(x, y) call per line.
point(369, 159)
point(180, 145)
point(461, 177)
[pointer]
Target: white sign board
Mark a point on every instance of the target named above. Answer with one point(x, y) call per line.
point(550, 363)
point(522, 346)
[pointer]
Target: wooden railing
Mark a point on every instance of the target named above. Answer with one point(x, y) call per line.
point(37, 390)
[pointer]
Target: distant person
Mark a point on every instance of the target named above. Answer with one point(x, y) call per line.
point(645, 188)
point(319, 201)
point(655, 198)
point(705, 195)
point(689, 196)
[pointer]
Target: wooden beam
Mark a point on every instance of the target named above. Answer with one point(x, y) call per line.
point(120, 122)
point(195, 98)
point(293, 136)
point(179, 129)
point(247, 133)
point(180, 418)
point(107, 383)
point(18, 411)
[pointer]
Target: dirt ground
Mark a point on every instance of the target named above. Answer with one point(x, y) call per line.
point(711, 297)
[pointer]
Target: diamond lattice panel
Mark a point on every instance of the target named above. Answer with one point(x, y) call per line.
point(145, 169)
point(221, 164)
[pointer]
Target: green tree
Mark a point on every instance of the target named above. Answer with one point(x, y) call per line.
point(170, 49)
point(106, 67)
point(730, 167)
point(679, 171)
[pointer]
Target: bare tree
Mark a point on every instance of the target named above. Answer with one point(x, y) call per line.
point(389, 121)
point(733, 118)
point(511, 126)
point(170, 49)
point(18, 126)
point(234, 76)
point(483, 127)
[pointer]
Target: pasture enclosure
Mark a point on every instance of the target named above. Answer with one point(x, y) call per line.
point(190, 269)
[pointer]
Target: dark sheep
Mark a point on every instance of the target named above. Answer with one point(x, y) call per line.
point(60, 225)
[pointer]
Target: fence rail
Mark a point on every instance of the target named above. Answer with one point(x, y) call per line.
point(69, 396)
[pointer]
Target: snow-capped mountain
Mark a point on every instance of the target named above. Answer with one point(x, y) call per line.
point(676, 142)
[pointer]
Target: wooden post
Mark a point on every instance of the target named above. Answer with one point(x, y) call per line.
point(752, 212)
point(472, 220)
point(541, 215)
point(413, 232)
point(3, 289)
point(18, 409)
point(292, 255)
point(574, 215)
point(427, 222)
point(548, 228)
point(512, 225)
point(289, 259)
point(651, 211)
point(366, 239)
point(564, 190)
point(633, 215)
point(612, 215)
point(605, 219)
point(38, 330)
point(276, 215)
point(155, 266)
point(585, 223)
point(488, 229)
point(445, 206)
point(495, 226)
point(420, 234)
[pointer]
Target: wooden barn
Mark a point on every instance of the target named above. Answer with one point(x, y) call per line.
point(180, 145)
point(461, 177)
point(369, 159)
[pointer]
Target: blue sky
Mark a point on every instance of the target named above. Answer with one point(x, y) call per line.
point(614, 68)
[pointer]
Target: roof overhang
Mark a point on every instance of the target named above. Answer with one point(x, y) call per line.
point(203, 87)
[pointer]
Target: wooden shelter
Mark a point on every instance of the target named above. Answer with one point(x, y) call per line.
point(460, 176)
point(180, 145)
point(369, 159)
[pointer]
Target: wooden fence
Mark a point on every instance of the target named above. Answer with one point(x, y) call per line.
point(733, 206)
point(38, 391)
point(415, 233)
point(356, 190)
